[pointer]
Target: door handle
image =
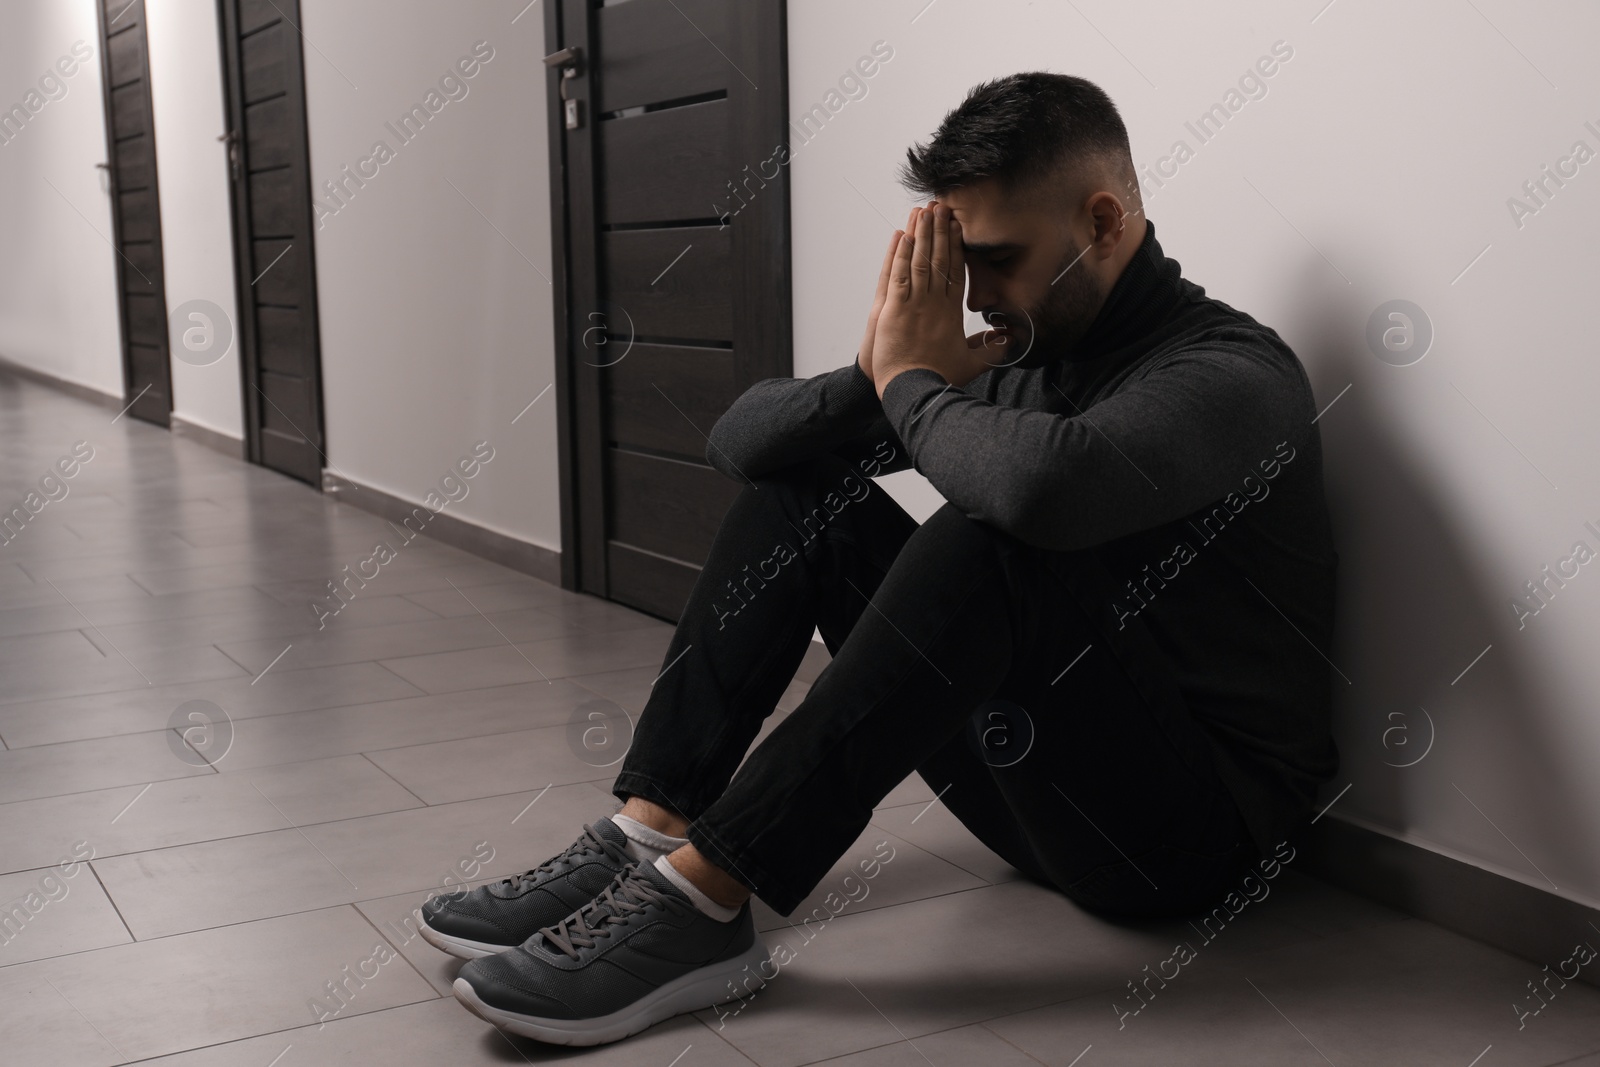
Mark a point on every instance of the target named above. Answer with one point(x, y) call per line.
point(569, 59)
point(231, 139)
point(570, 62)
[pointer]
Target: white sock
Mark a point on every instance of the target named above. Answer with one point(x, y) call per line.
point(704, 903)
point(645, 843)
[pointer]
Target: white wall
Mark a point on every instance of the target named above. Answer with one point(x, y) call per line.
point(186, 94)
point(58, 288)
point(1377, 166)
point(436, 321)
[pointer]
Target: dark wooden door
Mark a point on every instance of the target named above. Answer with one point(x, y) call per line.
point(135, 210)
point(673, 295)
point(273, 221)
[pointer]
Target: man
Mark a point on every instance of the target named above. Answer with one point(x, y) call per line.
point(1104, 653)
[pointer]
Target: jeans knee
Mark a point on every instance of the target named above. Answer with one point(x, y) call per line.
point(809, 473)
point(959, 535)
point(816, 493)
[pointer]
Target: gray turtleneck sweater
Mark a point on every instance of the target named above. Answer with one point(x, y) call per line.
point(1175, 442)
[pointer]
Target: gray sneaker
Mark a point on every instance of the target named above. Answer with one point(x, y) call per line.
point(501, 915)
point(638, 953)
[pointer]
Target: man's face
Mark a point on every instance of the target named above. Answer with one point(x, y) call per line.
point(1026, 274)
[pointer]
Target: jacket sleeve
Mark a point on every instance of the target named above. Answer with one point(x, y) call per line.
point(1185, 433)
point(779, 421)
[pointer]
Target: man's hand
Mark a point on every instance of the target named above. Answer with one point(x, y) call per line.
point(920, 324)
point(864, 353)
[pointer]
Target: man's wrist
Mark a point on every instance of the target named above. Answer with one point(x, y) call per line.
point(861, 372)
point(856, 383)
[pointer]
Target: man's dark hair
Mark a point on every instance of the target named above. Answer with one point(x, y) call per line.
point(1022, 130)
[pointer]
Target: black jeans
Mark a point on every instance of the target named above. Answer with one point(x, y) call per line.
point(992, 668)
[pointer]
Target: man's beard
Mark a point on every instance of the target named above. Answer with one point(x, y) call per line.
point(1049, 331)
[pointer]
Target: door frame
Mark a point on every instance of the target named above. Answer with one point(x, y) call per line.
point(568, 422)
point(122, 263)
point(241, 232)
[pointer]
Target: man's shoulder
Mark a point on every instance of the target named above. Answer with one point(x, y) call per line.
point(1203, 318)
point(1217, 353)
point(1231, 337)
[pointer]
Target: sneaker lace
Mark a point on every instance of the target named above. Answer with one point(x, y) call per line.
point(628, 894)
point(588, 841)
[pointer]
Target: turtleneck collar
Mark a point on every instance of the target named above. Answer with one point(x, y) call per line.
point(1140, 300)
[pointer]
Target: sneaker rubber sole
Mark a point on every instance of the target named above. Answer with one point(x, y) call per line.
point(703, 987)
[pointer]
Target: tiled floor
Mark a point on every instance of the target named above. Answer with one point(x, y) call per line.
point(359, 766)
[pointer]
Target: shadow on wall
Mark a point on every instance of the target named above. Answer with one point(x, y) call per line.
point(1428, 747)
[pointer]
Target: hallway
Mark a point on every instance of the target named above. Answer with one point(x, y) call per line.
point(422, 737)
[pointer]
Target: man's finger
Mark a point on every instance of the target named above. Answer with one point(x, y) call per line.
point(924, 244)
point(958, 259)
point(939, 279)
point(900, 272)
point(888, 264)
point(899, 275)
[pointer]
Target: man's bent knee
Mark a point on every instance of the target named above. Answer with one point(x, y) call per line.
point(819, 490)
point(959, 534)
point(824, 470)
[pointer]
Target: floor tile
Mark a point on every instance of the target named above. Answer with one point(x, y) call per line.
point(426, 848)
point(1414, 992)
point(256, 572)
point(79, 766)
point(59, 615)
point(61, 650)
point(115, 672)
point(863, 980)
point(1200, 1025)
point(582, 612)
point(816, 658)
point(56, 910)
point(298, 736)
point(1404, 992)
point(911, 790)
point(958, 1045)
point(408, 573)
point(559, 657)
point(155, 551)
point(154, 707)
point(40, 1026)
point(12, 575)
point(216, 883)
point(84, 594)
point(138, 818)
point(280, 621)
point(232, 982)
point(489, 765)
point(631, 687)
point(443, 1032)
point(342, 644)
point(879, 870)
point(935, 828)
